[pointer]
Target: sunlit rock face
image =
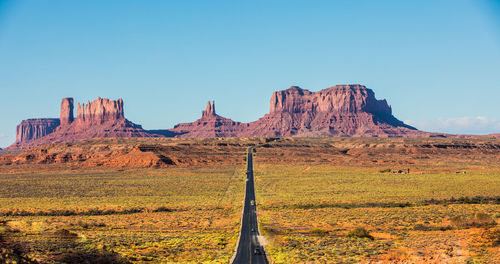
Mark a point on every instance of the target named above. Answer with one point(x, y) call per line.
point(97, 119)
point(32, 129)
point(341, 110)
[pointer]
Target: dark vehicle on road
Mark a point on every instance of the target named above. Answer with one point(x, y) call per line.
point(257, 251)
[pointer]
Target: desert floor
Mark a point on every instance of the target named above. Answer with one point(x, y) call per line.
point(322, 200)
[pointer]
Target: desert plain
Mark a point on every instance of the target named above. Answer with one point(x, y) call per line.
point(320, 200)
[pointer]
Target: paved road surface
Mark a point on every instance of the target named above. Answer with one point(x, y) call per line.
point(245, 253)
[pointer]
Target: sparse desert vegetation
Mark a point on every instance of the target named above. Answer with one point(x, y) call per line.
point(75, 211)
point(176, 215)
point(320, 200)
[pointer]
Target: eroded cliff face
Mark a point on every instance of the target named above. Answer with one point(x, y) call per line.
point(66, 116)
point(209, 125)
point(32, 129)
point(341, 110)
point(336, 99)
point(99, 118)
point(100, 111)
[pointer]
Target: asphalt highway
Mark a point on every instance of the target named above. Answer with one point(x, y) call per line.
point(249, 249)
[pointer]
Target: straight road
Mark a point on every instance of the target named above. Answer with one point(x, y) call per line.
point(249, 249)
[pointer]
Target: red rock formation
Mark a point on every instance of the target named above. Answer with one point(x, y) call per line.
point(209, 125)
point(100, 111)
point(342, 110)
point(66, 116)
point(32, 129)
point(80, 112)
point(210, 110)
point(97, 119)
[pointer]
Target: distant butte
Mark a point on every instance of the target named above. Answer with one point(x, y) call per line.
point(209, 125)
point(97, 119)
point(341, 110)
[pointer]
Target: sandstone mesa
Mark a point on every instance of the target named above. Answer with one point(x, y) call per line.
point(341, 110)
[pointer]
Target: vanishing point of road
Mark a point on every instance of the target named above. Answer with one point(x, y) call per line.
point(249, 248)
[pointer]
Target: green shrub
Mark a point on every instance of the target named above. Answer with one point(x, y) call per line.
point(475, 220)
point(360, 232)
point(65, 233)
point(318, 231)
point(422, 227)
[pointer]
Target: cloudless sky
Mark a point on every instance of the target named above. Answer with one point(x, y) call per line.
point(432, 60)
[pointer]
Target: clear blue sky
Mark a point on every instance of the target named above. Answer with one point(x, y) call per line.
point(436, 62)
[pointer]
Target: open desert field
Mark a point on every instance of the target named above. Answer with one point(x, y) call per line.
point(324, 200)
point(353, 200)
point(78, 211)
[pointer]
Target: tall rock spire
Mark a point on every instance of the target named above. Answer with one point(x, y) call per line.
point(66, 116)
point(210, 110)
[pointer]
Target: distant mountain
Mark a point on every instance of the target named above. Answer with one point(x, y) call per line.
point(209, 125)
point(97, 119)
point(341, 110)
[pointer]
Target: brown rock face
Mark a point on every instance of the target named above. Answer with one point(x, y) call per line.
point(100, 111)
point(32, 129)
point(66, 116)
point(97, 119)
point(337, 99)
point(341, 110)
point(210, 110)
point(209, 125)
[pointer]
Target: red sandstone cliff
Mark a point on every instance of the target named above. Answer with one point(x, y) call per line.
point(341, 110)
point(32, 129)
point(209, 125)
point(97, 119)
point(66, 115)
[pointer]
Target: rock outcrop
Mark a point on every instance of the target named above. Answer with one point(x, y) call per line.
point(97, 119)
point(341, 110)
point(209, 111)
point(100, 111)
point(32, 129)
point(66, 116)
point(209, 125)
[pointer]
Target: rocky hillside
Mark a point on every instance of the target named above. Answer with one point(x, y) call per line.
point(97, 119)
point(341, 110)
point(209, 125)
point(32, 129)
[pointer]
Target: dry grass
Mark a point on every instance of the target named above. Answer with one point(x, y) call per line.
point(160, 215)
point(335, 187)
point(317, 197)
